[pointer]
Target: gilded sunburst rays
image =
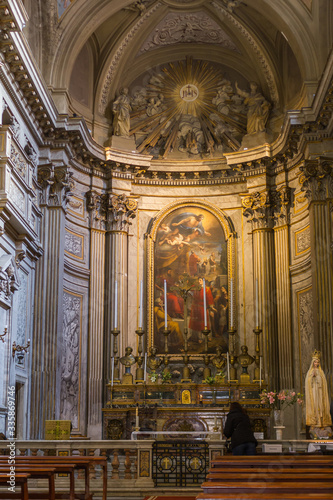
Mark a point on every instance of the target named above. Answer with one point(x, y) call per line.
point(179, 109)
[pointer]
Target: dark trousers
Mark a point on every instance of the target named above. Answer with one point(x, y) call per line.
point(244, 449)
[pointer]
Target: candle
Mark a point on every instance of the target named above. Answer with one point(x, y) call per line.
point(165, 306)
point(215, 422)
point(257, 306)
point(145, 372)
point(141, 305)
point(260, 371)
point(137, 418)
point(228, 368)
point(205, 302)
point(231, 304)
point(116, 305)
point(112, 370)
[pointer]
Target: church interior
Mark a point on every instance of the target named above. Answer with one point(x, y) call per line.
point(166, 233)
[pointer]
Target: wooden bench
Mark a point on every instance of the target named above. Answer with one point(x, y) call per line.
point(79, 462)
point(39, 472)
point(273, 460)
point(242, 487)
point(269, 477)
point(20, 480)
point(59, 468)
point(267, 496)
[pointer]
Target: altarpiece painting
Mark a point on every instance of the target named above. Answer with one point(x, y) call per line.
point(191, 242)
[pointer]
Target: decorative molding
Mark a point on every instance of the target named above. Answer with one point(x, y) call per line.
point(76, 206)
point(16, 195)
point(267, 70)
point(74, 244)
point(187, 28)
point(302, 240)
point(117, 56)
point(19, 162)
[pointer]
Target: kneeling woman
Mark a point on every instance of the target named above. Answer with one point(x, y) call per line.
point(238, 428)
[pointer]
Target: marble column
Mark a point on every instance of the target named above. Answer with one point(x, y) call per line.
point(48, 321)
point(110, 217)
point(121, 209)
point(281, 204)
point(316, 179)
point(258, 212)
point(96, 208)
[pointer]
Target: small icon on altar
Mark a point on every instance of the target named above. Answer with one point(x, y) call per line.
point(186, 397)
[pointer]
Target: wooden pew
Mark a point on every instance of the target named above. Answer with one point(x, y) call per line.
point(60, 468)
point(39, 472)
point(79, 462)
point(273, 487)
point(267, 496)
point(269, 477)
point(256, 461)
point(21, 480)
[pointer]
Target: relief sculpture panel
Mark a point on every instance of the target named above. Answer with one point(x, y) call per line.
point(306, 327)
point(70, 358)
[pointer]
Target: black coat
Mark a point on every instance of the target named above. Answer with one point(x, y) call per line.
point(238, 427)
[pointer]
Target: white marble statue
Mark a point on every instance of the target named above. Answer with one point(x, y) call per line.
point(257, 108)
point(317, 403)
point(121, 108)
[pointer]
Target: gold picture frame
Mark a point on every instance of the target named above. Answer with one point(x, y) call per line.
point(176, 233)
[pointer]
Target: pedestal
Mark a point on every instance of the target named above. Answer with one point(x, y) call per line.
point(279, 429)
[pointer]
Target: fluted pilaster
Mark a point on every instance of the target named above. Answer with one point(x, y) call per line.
point(96, 331)
point(48, 320)
point(281, 204)
point(316, 181)
point(257, 209)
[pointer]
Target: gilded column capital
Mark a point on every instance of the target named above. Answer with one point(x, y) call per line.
point(56, 185)
point(316, 179)
point(257, 209)
point(280, 203)
point(120, 210)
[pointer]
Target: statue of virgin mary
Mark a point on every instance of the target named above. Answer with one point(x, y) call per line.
point(317, 403)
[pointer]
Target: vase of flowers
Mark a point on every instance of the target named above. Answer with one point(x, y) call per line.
point(278, 401)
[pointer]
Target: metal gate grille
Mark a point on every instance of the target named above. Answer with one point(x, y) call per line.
point(180, 463)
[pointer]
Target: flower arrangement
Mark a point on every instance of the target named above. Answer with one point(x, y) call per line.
point(153, 376)
point(282, 399)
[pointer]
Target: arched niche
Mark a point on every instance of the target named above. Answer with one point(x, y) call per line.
point(187, 237)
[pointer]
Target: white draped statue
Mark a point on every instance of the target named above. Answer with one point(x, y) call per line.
point(316, 396)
